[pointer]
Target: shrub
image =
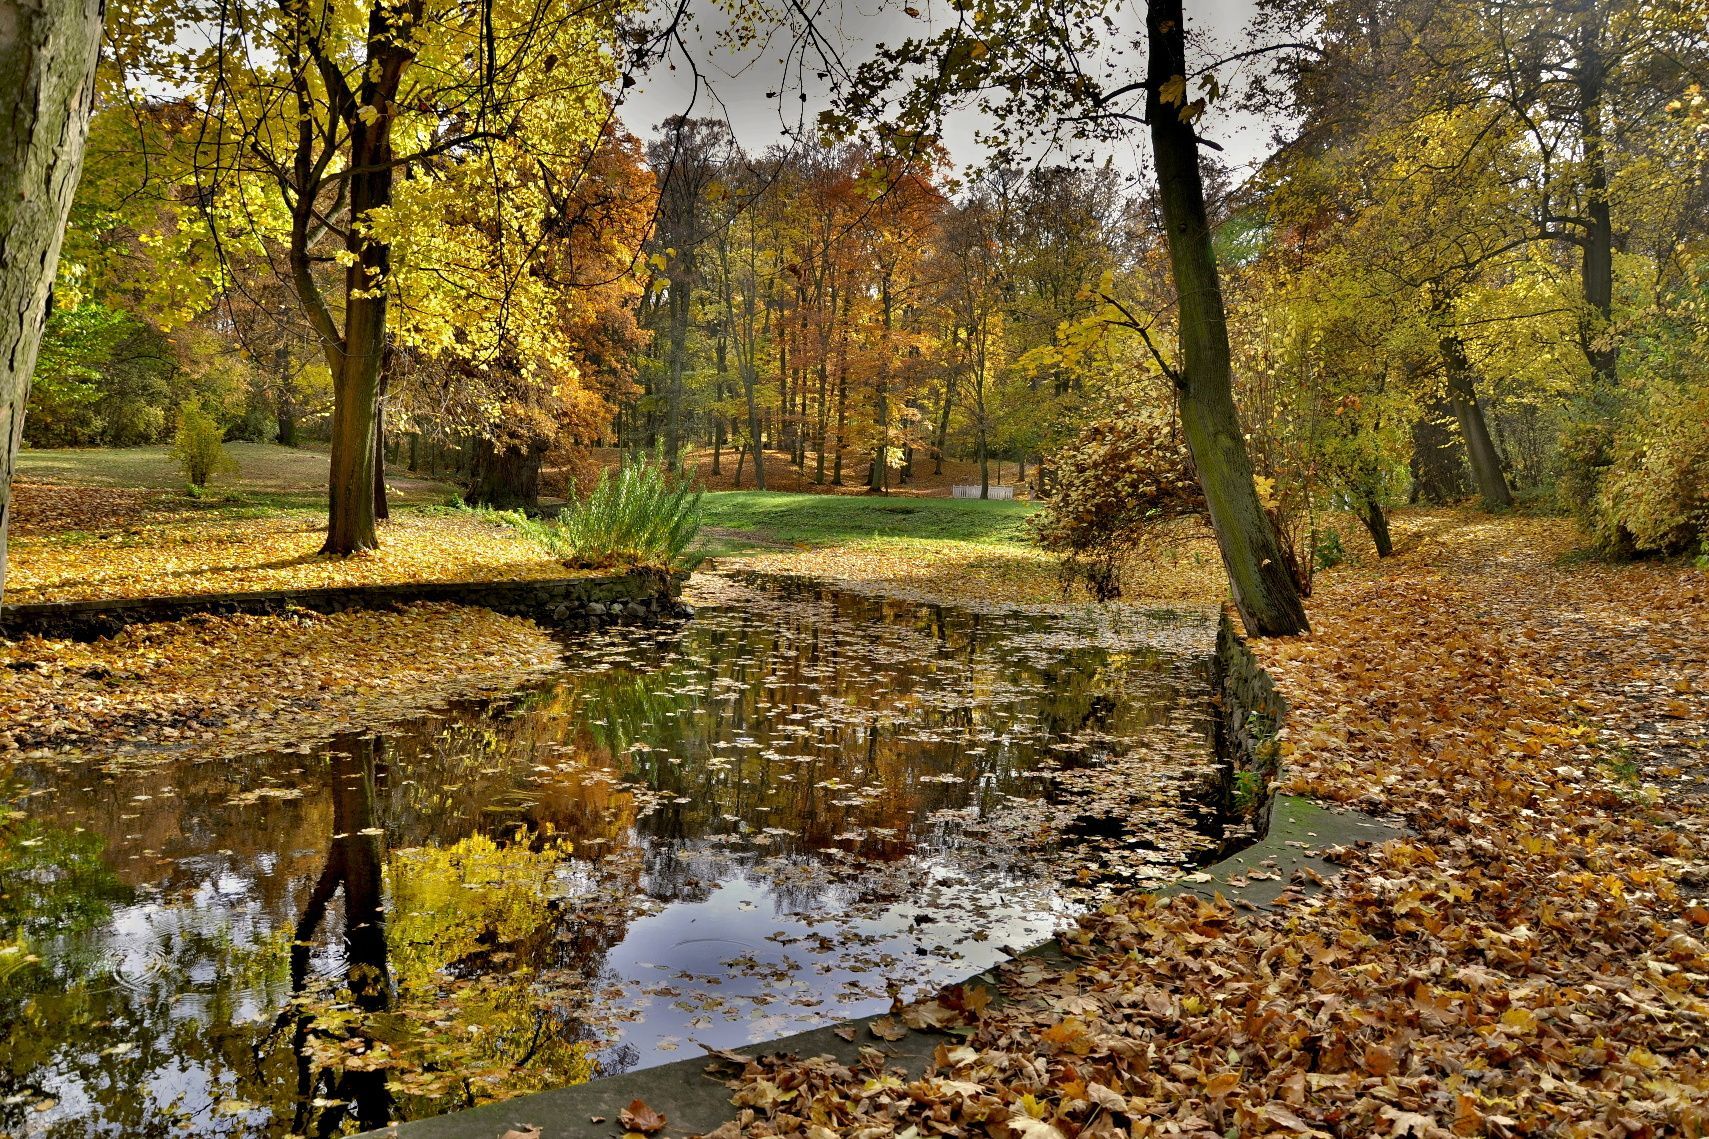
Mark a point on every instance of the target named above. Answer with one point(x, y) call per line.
point(638, 514)
point(1637, 473)
point(199, 445)
point(1126, 472)
point(1327, 550)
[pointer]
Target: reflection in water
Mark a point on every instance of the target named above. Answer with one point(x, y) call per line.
point(772, 817)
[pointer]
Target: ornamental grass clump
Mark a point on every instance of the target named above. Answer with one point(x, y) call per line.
point(637, 514)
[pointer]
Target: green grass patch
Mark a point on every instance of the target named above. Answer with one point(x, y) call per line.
point(268, 477)
point(835, 519)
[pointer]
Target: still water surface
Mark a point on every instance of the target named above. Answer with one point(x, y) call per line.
point(774, 816)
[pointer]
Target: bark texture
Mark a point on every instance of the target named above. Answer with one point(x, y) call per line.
point(47, 78)
point(1480, 448)
point(1264, 589)
point(507, 478)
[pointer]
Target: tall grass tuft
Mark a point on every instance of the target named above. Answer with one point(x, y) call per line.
point(638, 514)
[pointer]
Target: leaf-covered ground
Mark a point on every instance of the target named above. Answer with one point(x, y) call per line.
point(229, 685)
point(128, 543)
point(1182, 567)
point(1531, 962)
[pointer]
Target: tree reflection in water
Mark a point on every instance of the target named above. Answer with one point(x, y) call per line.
point(715, 833)
point(353, 864)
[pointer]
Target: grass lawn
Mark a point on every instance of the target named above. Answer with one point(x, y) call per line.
point(268, 475)
point(939, 549)
point(746, 519)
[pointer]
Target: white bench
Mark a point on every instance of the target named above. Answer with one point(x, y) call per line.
point(971, 490)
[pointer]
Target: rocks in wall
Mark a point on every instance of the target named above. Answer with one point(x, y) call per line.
point(571, 603)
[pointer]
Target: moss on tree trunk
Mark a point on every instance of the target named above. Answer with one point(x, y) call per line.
point(1258, 574)
point(47, 77)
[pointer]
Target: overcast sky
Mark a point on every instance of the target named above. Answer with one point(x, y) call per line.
point(735, 85)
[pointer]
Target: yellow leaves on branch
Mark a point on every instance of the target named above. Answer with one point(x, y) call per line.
point(186, 554)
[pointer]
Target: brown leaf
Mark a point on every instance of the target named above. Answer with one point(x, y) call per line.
point(639, 1117)
point(887, 1029)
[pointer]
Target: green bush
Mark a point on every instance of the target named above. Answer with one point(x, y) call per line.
point(636, 515)
point(639, 514)
point(1327, 549)
point(1638, 479)
point(199, 445)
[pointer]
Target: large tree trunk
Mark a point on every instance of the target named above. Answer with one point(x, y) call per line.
point(506, 478)
point(47, 78)
point(355, 412)
point(1597, 265)
point(1480, 448)
point(1264, 589)
point(357, 357)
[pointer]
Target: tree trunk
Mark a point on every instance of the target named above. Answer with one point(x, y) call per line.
point(47, 76)
point(1264, 590)
point(507, 478)
point(1438, 461)
point(382, 508)
point(941, 439)
point(722, 357)
point(881, 412)
point(350, 483)
point(1480, 449)
point(287, 416)
point(1376, 521)
point(1597, 264)
point(679, 313)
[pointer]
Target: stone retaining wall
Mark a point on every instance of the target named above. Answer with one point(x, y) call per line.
point(1250, 715)
point(573, 603)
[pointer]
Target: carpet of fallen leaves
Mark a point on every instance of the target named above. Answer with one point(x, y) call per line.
point(1530, 961)
point(1180, 567)
point(229, 685)
point(81, 543)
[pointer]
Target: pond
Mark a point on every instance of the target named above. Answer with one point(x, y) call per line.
point(777, 815)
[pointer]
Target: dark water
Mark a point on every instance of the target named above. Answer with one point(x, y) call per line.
point(770, 818)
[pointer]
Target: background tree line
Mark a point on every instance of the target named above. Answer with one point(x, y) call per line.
point(1474, 264)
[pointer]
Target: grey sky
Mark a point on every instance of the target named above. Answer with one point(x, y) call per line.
point(735, 85)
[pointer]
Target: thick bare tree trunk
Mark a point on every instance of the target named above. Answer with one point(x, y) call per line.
point(47, 78)
point(1597, 263)
point(507, 478)
point(1480, 448)
point(1264, 589)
